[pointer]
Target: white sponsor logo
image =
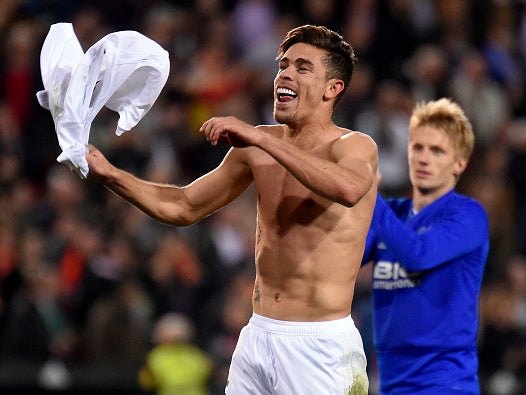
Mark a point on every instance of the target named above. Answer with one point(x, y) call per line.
point(392, 275)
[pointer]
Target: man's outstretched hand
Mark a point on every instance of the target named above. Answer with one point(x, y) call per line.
point(99, 167)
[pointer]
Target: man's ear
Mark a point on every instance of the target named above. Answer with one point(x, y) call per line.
point(460, 166)
point(334, 88)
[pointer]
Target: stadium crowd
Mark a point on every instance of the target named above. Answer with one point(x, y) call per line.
point(85, 278)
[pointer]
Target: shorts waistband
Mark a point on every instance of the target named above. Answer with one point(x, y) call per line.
point(300, 327)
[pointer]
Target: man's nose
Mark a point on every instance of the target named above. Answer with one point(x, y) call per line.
point(285, 73)
point(423, 156)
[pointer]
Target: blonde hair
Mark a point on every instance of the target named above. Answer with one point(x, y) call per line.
point(446, 115)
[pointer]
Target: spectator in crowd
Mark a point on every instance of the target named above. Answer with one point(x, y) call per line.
point(175, 366)
point(503, 330)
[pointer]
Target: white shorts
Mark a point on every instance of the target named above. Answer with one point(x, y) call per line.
point(298, 358)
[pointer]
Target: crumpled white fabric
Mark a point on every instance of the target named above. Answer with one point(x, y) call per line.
point(124, 71)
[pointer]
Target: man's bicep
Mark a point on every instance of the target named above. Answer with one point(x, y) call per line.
point(219, 187)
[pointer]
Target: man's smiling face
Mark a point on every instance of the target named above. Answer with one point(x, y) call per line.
point(300, 84)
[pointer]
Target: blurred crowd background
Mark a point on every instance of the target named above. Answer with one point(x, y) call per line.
point(96, 297)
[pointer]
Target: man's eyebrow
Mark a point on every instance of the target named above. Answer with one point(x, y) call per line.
point(304, 61)
point(297, 61)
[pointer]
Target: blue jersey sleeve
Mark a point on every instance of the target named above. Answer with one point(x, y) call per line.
point(461, 224)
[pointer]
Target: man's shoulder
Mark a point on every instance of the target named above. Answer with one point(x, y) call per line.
point(464, 203)
point(354, 133)
point(357, 137)
point(462, 207)
point(462, 200)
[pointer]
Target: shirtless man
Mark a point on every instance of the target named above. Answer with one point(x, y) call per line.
point(316, 191)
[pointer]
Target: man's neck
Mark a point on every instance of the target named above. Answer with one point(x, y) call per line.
point(423, 198)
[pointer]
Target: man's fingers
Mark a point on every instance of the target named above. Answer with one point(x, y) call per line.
point(91, 148)
point(213, 131)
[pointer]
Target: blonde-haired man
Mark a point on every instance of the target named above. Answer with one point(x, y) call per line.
point(429, 253)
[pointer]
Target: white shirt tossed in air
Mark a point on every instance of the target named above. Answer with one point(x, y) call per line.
point(124, 71)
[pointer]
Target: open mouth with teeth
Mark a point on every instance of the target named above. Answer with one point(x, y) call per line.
point(285, 95)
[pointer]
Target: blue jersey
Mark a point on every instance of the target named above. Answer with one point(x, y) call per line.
point(427, 275)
